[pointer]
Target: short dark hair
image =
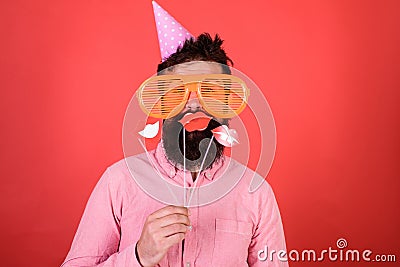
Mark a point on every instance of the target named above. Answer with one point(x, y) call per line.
point(202, 48)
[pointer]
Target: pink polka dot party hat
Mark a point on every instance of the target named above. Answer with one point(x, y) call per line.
point(171, 34)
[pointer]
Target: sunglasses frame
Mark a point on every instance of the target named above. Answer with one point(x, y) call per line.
point(187, 81)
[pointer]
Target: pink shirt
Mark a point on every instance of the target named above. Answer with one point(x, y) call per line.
point(228, 232)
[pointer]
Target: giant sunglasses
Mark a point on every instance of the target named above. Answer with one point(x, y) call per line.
point(165, 96)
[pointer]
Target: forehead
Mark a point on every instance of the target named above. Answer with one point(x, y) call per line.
point(196, 67)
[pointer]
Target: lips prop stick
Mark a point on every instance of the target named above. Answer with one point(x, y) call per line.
point(225, 136)
point(195, 121)
point(150, 130)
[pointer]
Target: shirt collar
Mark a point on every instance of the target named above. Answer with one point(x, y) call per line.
point(171, 170)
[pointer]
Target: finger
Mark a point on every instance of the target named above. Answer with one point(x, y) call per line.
point(169, 210)
point(173, 229)
point(174, 239)
point(172, 219)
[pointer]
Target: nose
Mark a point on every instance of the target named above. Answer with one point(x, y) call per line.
point(193, 103)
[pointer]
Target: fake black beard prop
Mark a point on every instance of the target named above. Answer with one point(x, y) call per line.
point(197, 143)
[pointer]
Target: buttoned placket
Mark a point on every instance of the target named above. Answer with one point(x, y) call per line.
point(191, 242)
point(190, 245)
point(189, 256)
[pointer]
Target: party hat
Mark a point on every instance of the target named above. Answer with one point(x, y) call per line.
point(171, 34)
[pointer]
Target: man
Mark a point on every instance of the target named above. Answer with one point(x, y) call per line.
point(124, 226)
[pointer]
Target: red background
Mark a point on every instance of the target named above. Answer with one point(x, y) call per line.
point(329, 69)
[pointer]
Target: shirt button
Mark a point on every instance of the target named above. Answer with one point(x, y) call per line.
point(171, 172)
point(208, 175)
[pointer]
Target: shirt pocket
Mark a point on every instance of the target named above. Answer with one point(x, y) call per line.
point(231, 243)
